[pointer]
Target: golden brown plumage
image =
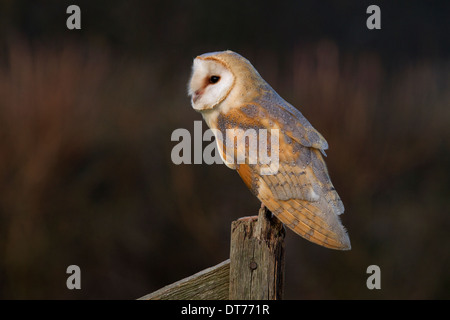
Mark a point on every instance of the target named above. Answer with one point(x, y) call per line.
point(300, 193)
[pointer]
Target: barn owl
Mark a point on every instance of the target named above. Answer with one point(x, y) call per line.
point(230, 94)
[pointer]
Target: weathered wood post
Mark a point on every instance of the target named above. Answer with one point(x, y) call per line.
point(209, 284)
point(255, 270)
point(257, 258)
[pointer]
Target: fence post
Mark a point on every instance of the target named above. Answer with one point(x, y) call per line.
point(257, 258)
point(255, 270)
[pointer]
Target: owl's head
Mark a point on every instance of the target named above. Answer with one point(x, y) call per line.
point(217, 76)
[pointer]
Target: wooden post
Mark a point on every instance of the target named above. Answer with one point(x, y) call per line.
point(257, 258)
point(255, 270)
point(208, 284)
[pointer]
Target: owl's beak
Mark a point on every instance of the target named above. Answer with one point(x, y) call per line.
point(197, 94)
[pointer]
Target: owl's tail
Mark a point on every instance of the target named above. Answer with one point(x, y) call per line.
point(314, 221)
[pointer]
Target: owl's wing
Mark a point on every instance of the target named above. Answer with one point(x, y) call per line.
point(291, 120)
point(300, 193)
point(316, 221)
point(302, 171)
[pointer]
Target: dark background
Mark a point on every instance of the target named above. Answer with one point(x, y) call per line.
point(86, 118)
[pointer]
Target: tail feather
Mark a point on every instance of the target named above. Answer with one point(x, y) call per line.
point(308, 220)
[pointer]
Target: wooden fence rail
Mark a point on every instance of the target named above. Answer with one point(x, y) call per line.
point(255, 270)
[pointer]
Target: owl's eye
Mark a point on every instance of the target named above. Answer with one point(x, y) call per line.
point(214, 79)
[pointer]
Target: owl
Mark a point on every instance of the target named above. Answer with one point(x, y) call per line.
point(231, 95)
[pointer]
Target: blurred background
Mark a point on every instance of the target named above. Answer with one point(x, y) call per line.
point(86, 118)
